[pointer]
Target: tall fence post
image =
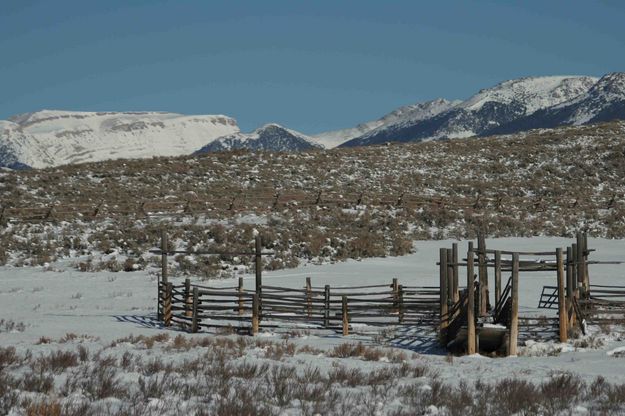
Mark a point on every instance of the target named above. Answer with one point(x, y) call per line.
point(454, 251)
point(450, 280)
point(240, 292)
point(443, 294)
point(255, 313)
point(400, 291)
point(188, 300)
point(163, 277)
point(394, 287)
point(586, 276)
point(562, 314)
point(259, 274)
point(581, 279)
point(326, 310)
point(167, 304)
point(308, 297)
point(471, 339)
point(574, 265)
point(483, 273)
point(569, 273)
point(497, 276)
point(195, 318)
point(514, 322)
point(345, 317)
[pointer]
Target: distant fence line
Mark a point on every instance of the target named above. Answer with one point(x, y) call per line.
point(263, 200)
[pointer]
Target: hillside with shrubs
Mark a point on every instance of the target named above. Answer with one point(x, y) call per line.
point(316, 206)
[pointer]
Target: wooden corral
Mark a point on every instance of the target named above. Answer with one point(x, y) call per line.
point(463, 315)
point(197, 306)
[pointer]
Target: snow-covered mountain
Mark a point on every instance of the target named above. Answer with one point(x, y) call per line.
point(604, 101)
point(270, 137)
point(51, 138)
point(489, 108)
point(412, 112)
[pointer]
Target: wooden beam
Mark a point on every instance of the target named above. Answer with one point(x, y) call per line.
point(454, 250)
point(514, 320)
point(483, 274)
point(345, 317)
point(444, 319)
point(497, 276)
point(258, 263)
point(471, 340)
point(195, 319)
point(562, 315)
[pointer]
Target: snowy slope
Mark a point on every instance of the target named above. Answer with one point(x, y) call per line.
point(51, 138)
point(605, 101)
point(489, 108)
point(408, 113)
point(270, 137)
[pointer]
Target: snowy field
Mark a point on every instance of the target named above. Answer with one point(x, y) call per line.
point(45, 310)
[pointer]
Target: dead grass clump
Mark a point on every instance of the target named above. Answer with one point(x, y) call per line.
point(11, 326)
point(8, 357)
point(561, 391)
point(57, 361)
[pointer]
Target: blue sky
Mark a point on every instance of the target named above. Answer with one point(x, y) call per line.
point(310, 65)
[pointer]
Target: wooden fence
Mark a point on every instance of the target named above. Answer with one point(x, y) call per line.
point(467, 318)
point(195, 307)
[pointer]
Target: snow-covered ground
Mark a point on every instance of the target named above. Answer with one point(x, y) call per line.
point(40, 306)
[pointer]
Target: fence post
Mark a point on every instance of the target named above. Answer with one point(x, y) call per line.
point(400, 290)
point(454, 251)
point(326, 312)
point(470, 303)
point(345, 317)
point(308, 297)
point(514, 323)
point(575, 270)
point(259, 274)
point(194, 316)
point(562, 314)
point(188, 300)
point(167, 304)
point(569, 273)
point(586, 276)
point(450, 279)
point(444, 319)
point(483, 273)
point(163, 277)
point(395, 287)
point(240, 291)
point(255, 314)
point(581, 279)
point(497, 276)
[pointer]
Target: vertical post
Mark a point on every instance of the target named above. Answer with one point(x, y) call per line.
point(188, 300)
point(255, 313)
point(562, 315)
point(454, 250)
point(585, 263)
point(483, 273)
point(163, 277)
point(308, 297)
point(195, 318)
point(167, 304)
point(345, 317)
point(574, 265)
point(259, 274)
point(240, 292)
point(394, 287)
point(470, 303)
point(450, 279)
point(497, 276)
point(514, 322)
point(400, 290)
point(326, 310)
point(569, 273)
point(580, 262)
point(443, 294)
